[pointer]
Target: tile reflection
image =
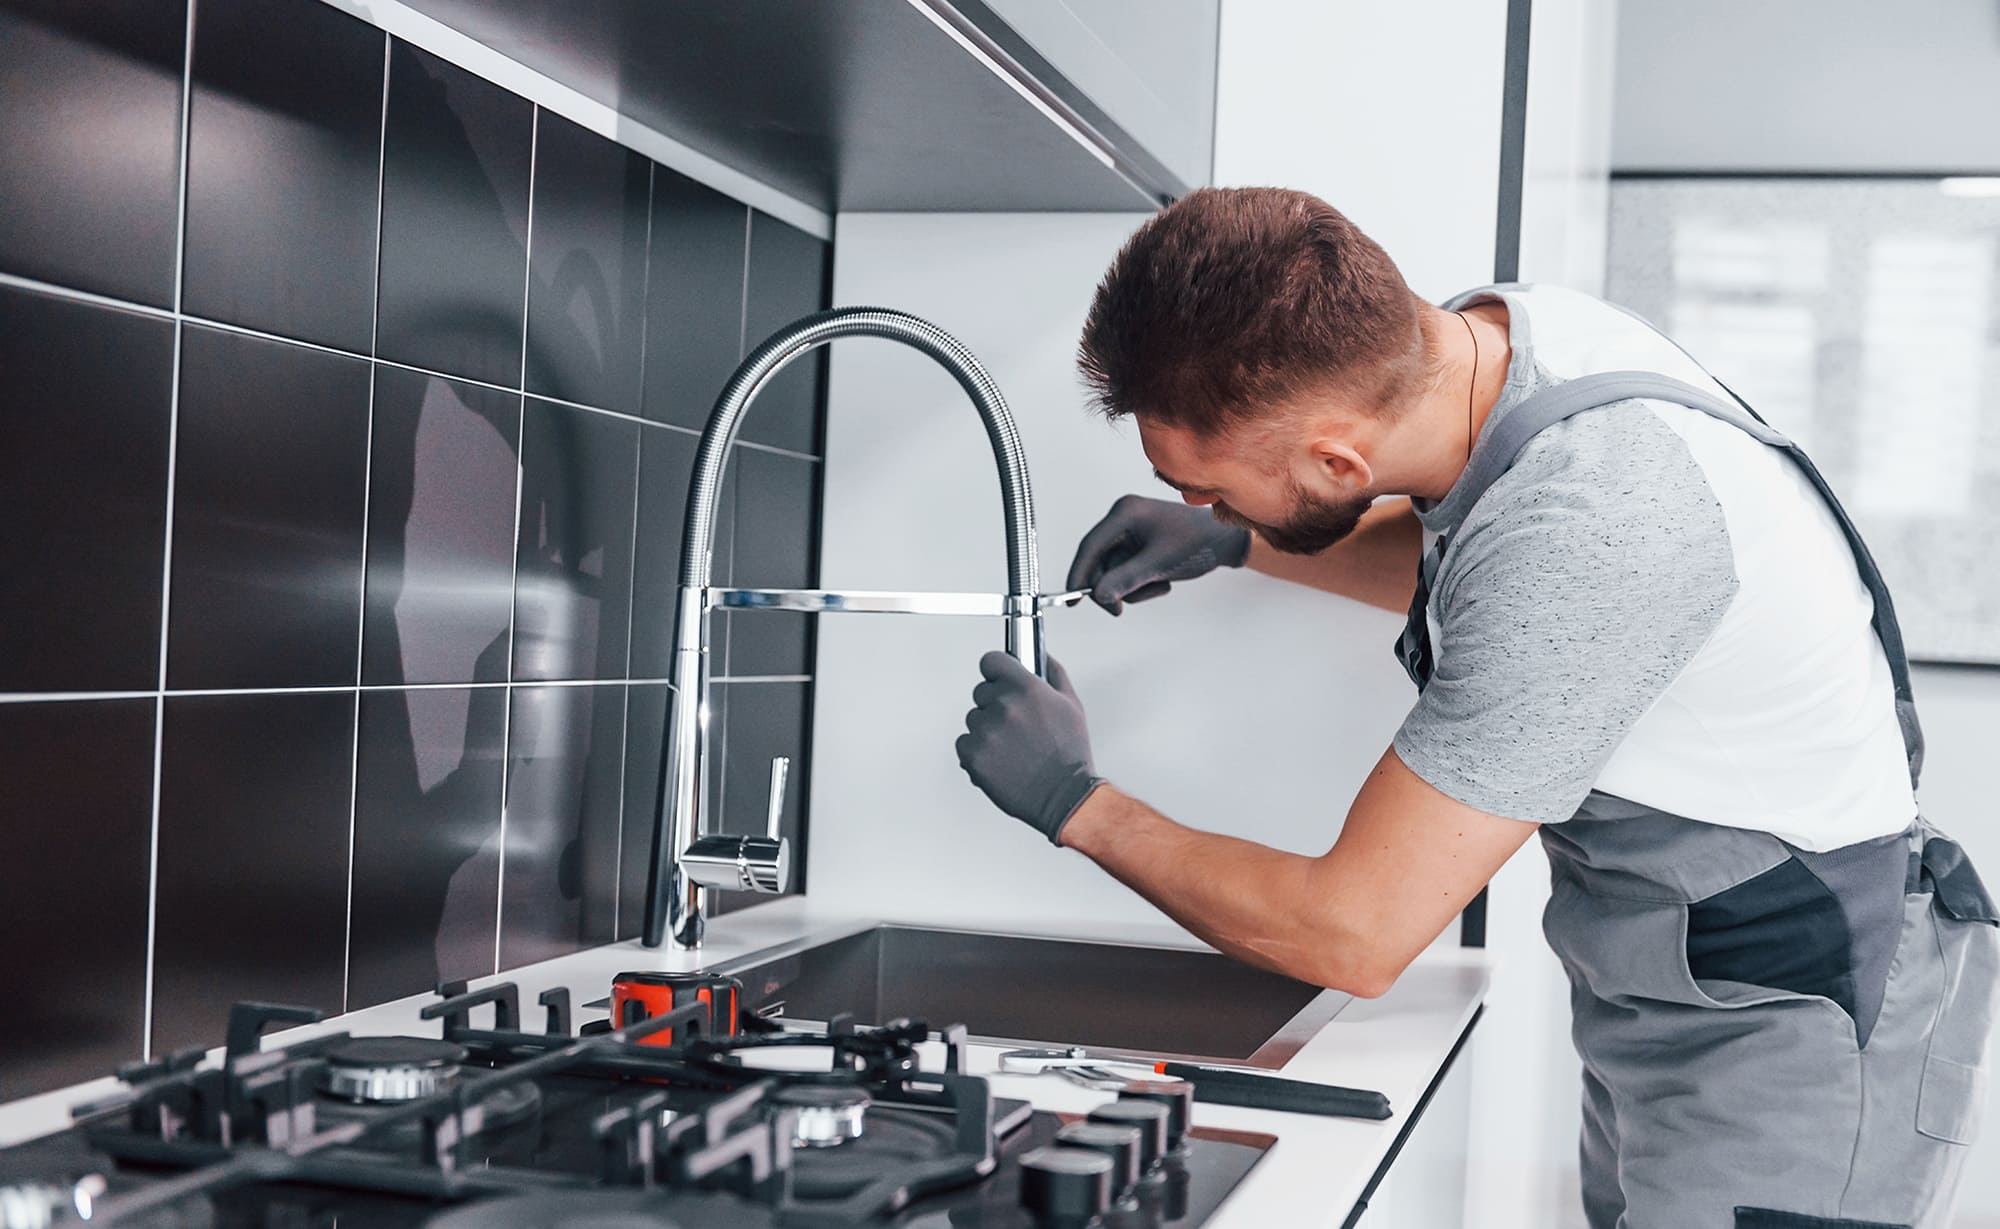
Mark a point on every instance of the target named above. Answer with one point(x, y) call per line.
point(565, 751)
point(694, 298)
point(454, 220)
point(440, 530)
point(426, 839)
point(270, 475)
point(586, 302)
point(573, 584)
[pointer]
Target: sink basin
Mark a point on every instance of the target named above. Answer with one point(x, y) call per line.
point(1156, 1002)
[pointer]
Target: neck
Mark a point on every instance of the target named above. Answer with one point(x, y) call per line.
point(1436, 432)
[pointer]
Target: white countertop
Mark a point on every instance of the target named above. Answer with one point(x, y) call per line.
point(1312, 1176)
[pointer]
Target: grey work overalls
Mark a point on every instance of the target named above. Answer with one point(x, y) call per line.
point(1771, 1037)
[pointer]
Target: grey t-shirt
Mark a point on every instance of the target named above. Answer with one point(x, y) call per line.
point(1572, 593)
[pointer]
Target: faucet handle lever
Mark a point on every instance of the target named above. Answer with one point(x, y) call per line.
point(774, 815)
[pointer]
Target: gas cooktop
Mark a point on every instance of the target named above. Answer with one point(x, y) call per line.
point(687, 1115)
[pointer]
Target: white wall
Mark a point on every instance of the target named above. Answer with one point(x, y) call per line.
point(1389, 111)
point(1238, 703)
point(1808, 85)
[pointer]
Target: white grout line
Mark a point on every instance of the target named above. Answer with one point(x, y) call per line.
point(548, 94)
point(167, 548)
point(100, 300)
point(425, 371)
point(367, 480)
point(66, 697)
point(743, 302)
point(776, 451)
point(514, 580)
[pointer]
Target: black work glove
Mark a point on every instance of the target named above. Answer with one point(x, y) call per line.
point(1025, 744)
point(1143, 545)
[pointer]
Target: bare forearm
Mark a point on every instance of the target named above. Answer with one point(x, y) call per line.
point(1376, 564)
point(1260, 905)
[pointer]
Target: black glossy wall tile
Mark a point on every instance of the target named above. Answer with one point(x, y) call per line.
point(666, 467)
point(83, 493)
point(587, 277)
point(91, 126)
point(426, 839)
point(454, 220)
point(440, 530)
point(776, 546)
point(573, 580)
point(645, 727)
point(788, 278)
point(763, 720)
point(284, 147)
point(566, 748)
point(252, 896)
point(73, 862)
point(268, 509)
point(694, 298)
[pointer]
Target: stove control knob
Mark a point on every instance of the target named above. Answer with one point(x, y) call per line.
point(1176, 1095)
point(1148, 1118)
point(1065, 1188)
point(1121, 1144)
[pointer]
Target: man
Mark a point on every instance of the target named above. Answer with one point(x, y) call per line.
point(1641, 629)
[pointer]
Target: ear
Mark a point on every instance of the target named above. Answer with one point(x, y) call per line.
point(1341, 462)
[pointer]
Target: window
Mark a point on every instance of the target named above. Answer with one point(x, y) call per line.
point(1861, 316)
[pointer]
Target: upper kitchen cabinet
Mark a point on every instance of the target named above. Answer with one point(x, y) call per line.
point(895, 104)
point(1148, 70)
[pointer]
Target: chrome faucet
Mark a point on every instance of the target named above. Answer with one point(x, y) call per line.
point(688, 859)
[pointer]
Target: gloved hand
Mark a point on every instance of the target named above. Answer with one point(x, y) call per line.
point(1025, 744)
point(1143, 545)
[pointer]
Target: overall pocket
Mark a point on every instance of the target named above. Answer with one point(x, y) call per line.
point(1952, 1094)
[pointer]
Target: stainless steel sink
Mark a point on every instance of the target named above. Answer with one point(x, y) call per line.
point(1114, 998)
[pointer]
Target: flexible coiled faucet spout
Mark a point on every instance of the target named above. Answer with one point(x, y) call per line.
point(686, 859)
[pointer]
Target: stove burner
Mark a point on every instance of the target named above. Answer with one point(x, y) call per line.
point(829, 1115)
point(387, 1070)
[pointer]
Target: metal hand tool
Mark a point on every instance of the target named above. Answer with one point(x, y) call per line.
point(1216, 1085)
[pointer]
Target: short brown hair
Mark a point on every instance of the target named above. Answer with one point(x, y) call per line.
point(1233, 300)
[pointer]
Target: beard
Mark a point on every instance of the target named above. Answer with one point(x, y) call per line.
point(1313, 525)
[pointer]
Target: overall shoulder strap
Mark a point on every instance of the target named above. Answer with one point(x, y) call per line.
point(1562, 401)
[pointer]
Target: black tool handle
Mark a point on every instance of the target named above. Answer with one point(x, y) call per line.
point(1270, 1092)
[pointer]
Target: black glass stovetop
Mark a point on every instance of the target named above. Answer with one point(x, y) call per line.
point(553, 1130)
